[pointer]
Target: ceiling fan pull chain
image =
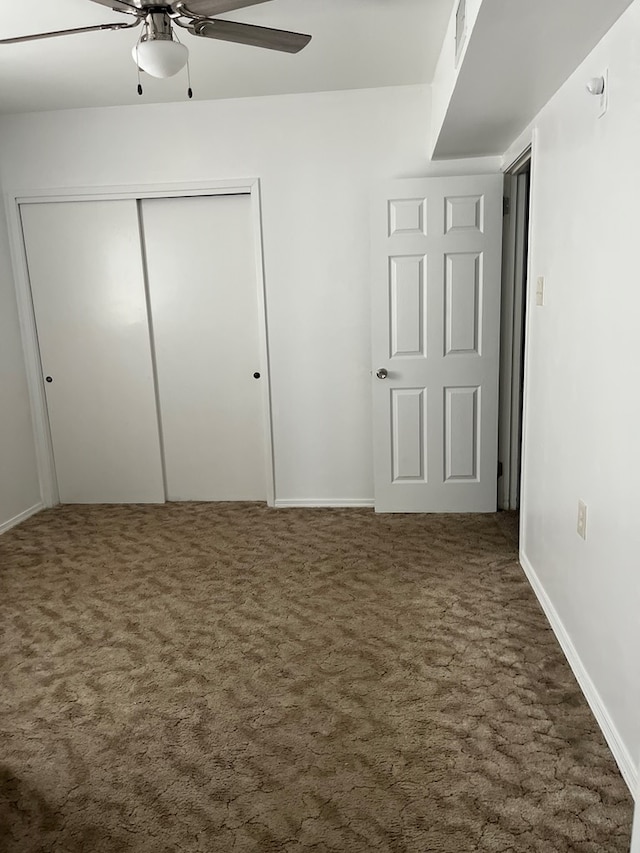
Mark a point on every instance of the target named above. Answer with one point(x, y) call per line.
point(140, 89)
point(189, 90)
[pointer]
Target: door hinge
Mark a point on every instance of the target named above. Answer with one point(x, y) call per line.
point(499, 470)
point(506, 205)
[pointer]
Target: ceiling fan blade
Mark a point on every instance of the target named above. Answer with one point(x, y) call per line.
point(96, 28)
point(131, 8)
point(249, 34)
point(209, 8)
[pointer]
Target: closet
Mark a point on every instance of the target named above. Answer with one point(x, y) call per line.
point(148, 326)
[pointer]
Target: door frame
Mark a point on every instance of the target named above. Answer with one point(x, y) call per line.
point(515, 285)
point(17, 197)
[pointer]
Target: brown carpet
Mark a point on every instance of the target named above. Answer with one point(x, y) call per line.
point(232, 679)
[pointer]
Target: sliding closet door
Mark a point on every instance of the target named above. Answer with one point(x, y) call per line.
point(86, 273)
point(204, 307)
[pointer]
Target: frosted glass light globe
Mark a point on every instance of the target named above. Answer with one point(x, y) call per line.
point(160, 57)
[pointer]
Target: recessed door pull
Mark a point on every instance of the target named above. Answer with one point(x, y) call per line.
point(49, 378)
point(256, 375)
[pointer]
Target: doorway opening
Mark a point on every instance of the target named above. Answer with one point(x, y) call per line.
point(515, 265)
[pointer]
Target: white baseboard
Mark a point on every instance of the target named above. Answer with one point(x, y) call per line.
point(23, 516)
point(323, 502)
point(635, 839)
point(612, 736)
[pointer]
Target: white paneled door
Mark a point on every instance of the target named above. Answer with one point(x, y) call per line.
point(88, 289)
point(435, 344)
point(201, 266)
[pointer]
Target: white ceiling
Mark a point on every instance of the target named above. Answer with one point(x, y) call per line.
point(356, 44)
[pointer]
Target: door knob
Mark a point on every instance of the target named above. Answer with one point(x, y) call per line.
point(382, 373)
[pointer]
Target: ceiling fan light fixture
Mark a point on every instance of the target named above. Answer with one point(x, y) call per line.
point(160, 57)
point(159, 52)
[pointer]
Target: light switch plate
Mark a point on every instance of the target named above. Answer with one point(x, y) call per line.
point(540, 291)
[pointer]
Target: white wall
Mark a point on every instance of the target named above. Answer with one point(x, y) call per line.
point(582, 417)
point(19, 487)
point(318, 157)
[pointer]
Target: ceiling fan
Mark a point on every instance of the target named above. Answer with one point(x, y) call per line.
point(159, 53)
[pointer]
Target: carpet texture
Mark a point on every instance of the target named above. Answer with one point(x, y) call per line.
point(233, 679)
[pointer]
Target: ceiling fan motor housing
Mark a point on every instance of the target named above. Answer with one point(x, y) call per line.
point(157, 26)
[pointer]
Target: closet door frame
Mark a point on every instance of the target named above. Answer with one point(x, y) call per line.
point(15, 198)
